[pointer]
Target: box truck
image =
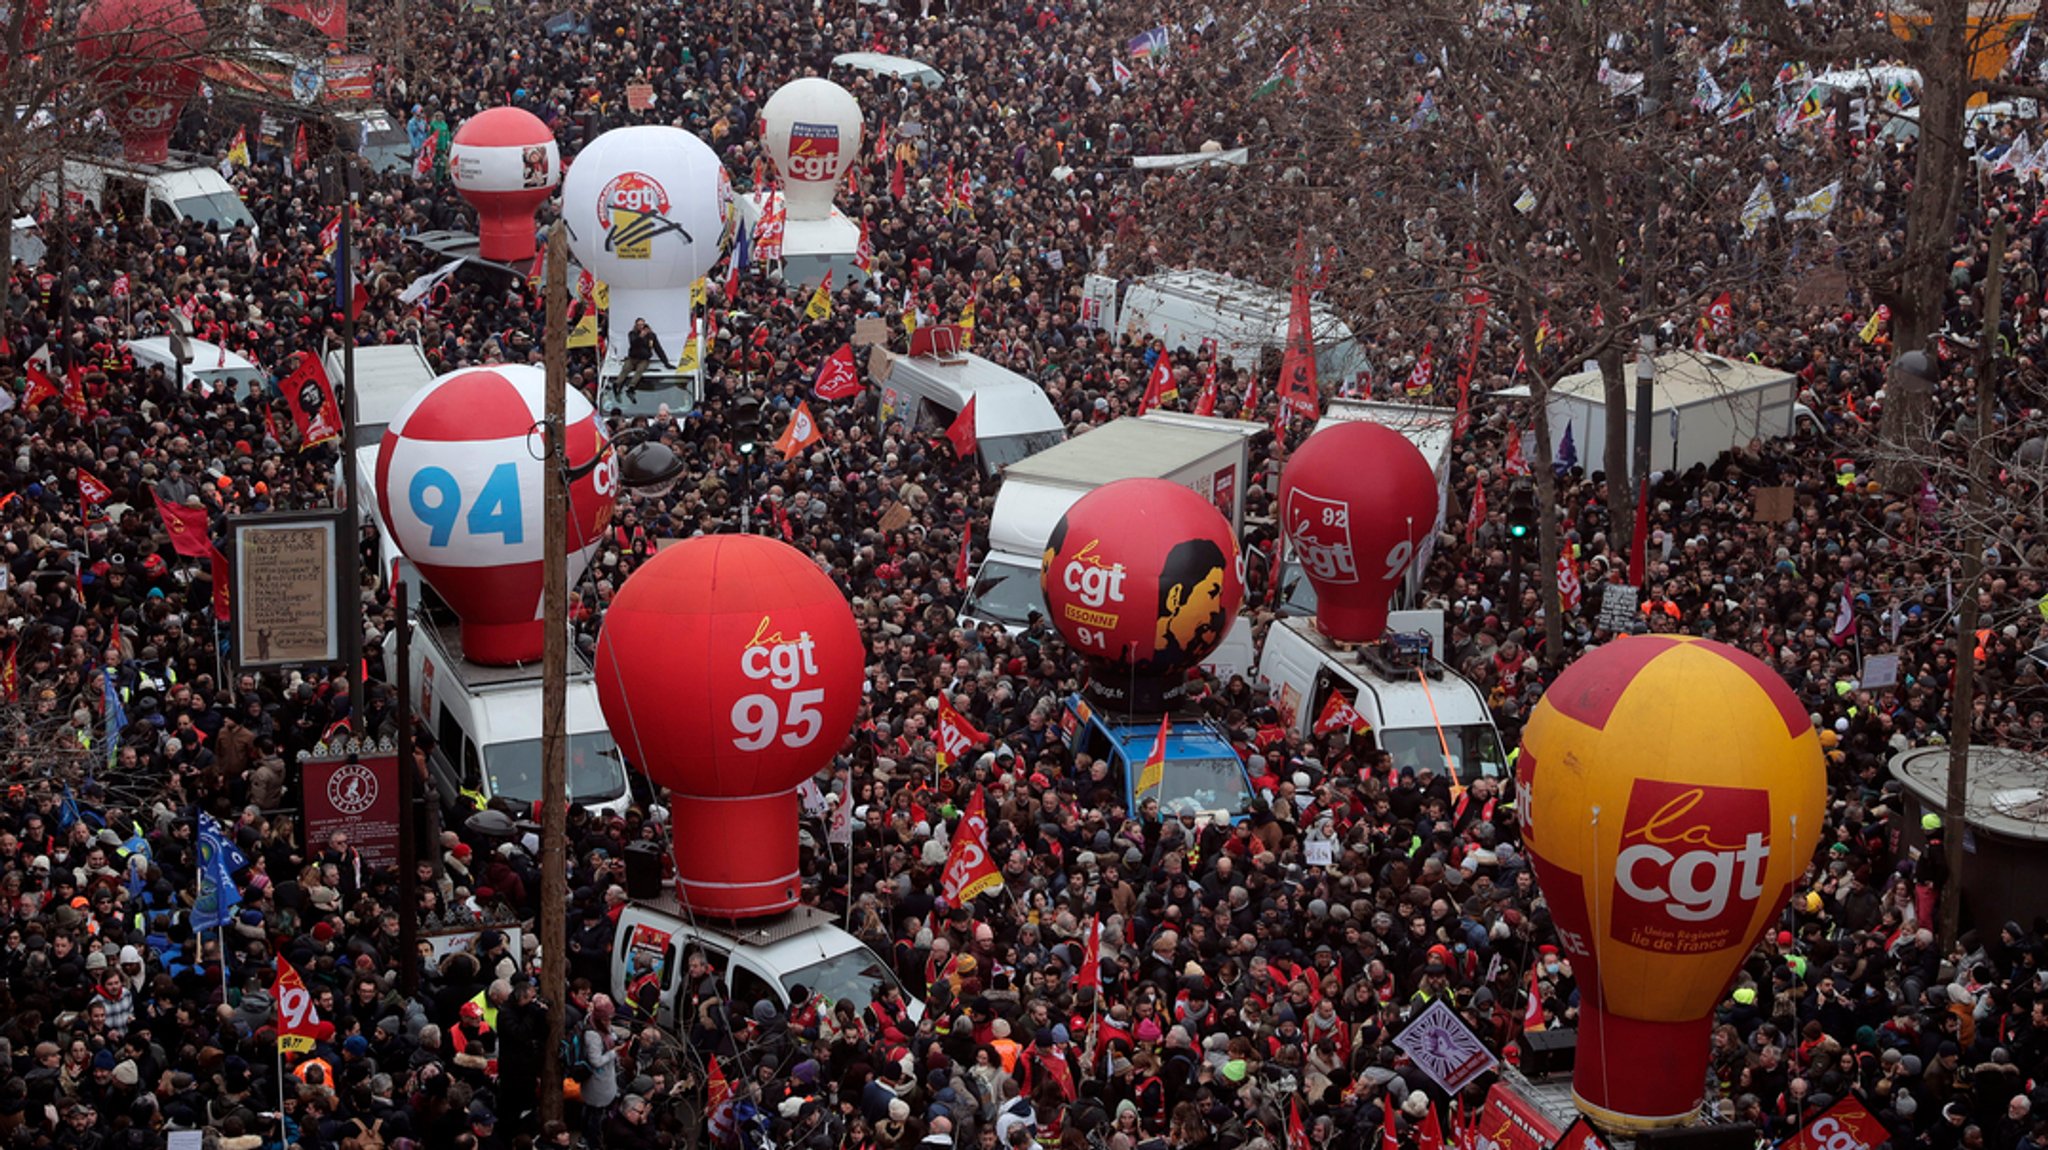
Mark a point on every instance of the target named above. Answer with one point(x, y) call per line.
point(1246, 321)
point(1013, 418)
point(1704, 405)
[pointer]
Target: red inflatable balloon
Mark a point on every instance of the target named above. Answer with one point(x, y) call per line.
point(505, 162)
point(1356, 501)
point(145, 58)
point(1142, 576)
point(730, 671)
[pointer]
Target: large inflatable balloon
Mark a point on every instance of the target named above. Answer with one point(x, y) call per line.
point(649, 211)
point(812, 130)
point(460, 491)
point(1143, 577)
point(1356, 502)
point(144, 57)
point(505, 163)
point(1670, 793)
point(729, 670)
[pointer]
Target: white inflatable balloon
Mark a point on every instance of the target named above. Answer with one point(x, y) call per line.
point(813, 131)
point(649, 211)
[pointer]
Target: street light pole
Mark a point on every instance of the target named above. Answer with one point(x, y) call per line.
point(554, 788)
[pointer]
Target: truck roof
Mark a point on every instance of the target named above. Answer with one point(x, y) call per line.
point(1005, 403)
point(797, 937)
point(1428, 428)
point(1267, 307)
point(386, 377)
point(445, 634)
point(1121, 449)
point(1684, 379)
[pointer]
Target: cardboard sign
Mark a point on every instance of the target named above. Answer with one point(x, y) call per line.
point(871, 329)
point(1618, 608)
point(358, 798)
point(1773, 504)
point(640, 97)
point(464, 941)
point(1879, 672)
point(880, 365)
point(1445, 1048)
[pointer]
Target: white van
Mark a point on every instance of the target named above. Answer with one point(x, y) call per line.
point(181, 188)
point(486, 724)
point(1247, 321)
point(1422, 712)
point(1012, 417)
point(387, 376)
point(754, 961)
point(212, 367)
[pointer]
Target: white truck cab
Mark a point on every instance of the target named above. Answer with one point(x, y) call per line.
point(752, 961)
point(1422, 713)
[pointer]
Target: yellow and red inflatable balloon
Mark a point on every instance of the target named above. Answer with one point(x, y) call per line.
point(1671, 792)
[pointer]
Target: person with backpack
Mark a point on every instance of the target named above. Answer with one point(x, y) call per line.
point(601, 1063)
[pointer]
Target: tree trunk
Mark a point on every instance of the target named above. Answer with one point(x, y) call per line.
point(1614, 386)
point(1547, 536)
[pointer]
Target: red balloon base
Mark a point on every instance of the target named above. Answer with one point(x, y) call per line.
point(736, 857)
point(502, 644)
point(1633, 1074)
point(506, 239)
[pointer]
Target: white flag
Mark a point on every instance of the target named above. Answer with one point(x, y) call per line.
point(840, 833)
point(417, 290)
point(1758, 208)
point(1817, 205)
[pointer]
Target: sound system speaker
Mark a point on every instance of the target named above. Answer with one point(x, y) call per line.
point(1547, 1052)
point(1729, 1136)
point(643, 870)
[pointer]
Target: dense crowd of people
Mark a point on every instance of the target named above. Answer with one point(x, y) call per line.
point(1237, 981)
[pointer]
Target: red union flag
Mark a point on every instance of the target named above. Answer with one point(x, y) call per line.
point(955, 736)
point(297, 1021)
point(813, 152)
point(92, 489)
point(1691, 868)
point(1844, 1126)
point(1339, 715)
point(837, 378)
point(969, 870)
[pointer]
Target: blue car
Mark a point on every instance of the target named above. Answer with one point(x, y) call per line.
point(1201, 773)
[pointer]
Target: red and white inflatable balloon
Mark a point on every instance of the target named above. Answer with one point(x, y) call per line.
point(505, 163)
point(459, 485)
point(144, 58)
point(730, 671)
point(1143, 577)
point(1356, 502)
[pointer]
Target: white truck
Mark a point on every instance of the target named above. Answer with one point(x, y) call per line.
point(1429, 429)
point(1247, 321)
point(181, 188)
point(1013, 419)
point(1422, 712)
point(1704, 405)
point(755, 961)
point(1210, 460)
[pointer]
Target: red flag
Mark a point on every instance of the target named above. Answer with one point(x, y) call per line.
point(222, 603)
point(837, 377)
point(1721, 314)
point(1153, 773)
point(1422, 380)
point(801, 432)
point(74, 391)
point(10, 674)
point(1158, 384)
point(297, 1020)
point(898, 188)
point(1205, 403)
point(423, 163)
point(719, 1120)
point(329, 16)
point(1515, 463)
point(1432, 1134)
point(969, 871)
point(93, 493)
point(187, 527)
point(40, 387)
point(1390, 1130)
point(953, 736)
point(1463, 422)
point(1477, 519)
point(864, 252)
point(961, 433)
point(1297, 1134)
point(330, 239)
point(962, 566)
point(1297, 388)
point(1339, 715)
point(121, 286)
point(1845, 1124)
point(300, 154)
point(1639, 543)
point(311, 398)
point(1532, 1014)
point(1091, 962)
point(1568, 578)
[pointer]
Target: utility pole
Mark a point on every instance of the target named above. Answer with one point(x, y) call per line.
point(408, 817)
point(1963, 701)
point(352, 523)
point(554, 790)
